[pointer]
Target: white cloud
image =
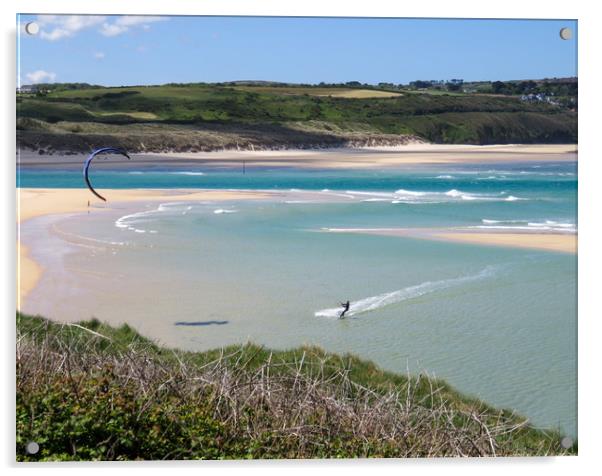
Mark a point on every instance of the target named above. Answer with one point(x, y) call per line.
point(55, 27)
point(40, 76)
point(125, 23)
point(109, 29)
point(99, 55)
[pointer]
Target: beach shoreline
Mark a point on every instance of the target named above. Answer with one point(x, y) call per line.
point(38, 202)
point(334, 158)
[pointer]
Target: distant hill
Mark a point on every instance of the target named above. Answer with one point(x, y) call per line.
point(268, 115)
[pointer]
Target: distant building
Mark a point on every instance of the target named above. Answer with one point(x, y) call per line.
point(539, 97)
point(27, 90)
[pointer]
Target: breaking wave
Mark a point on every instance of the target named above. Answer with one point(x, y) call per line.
point(134, 221)
point(416, 196)
point(221, 211)
point(526, 225)
point(129, 222)
point(411, 196)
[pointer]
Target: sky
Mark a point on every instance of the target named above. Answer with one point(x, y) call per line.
point(136, 50)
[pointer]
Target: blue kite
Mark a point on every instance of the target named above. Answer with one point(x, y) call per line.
point(106, 150)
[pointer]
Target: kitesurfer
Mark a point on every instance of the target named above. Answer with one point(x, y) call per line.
point(345, 306)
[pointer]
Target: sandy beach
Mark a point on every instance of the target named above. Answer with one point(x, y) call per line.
point(37, 202)
point(367, 157)
point(558, 242)
point(411, 154)
point(46, 201)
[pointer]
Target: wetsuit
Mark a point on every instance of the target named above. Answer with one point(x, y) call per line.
point(345, 309)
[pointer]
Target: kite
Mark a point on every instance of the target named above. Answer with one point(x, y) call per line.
point(106, 150)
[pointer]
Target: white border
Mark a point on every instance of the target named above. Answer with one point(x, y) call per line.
point(590, 169)
point(337, 8)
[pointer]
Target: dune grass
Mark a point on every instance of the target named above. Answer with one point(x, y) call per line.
point(89, 391)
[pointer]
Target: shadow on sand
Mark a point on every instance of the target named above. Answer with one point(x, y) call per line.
point(200, 323)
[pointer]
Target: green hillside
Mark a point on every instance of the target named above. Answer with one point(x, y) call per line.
point(89, 391)
point(263, 116)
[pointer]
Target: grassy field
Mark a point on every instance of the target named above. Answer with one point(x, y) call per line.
point(89, 391)
point(376, 115)
point(320, 92)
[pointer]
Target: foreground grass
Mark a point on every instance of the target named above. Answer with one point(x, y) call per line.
point(89, 391)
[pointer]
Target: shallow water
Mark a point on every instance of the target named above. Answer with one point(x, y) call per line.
point(495, 322)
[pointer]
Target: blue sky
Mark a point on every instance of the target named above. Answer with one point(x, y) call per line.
point(126, 50)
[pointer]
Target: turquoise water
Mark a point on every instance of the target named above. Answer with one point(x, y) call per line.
point(498, 323)
point(493, 177)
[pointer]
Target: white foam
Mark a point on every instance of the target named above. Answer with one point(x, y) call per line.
point(369, 194)
point(416, 196)
point(526, 225)
point(416, 202)
point(412, 196)
point(502, 227)
point(221, 211)
point(386, 299)
point(127, 221)
point(411, 193)
point(186, 173)
point(335, 194)
point(500, 174)
point(132, 221)
point(174, 207)
point(492, 222)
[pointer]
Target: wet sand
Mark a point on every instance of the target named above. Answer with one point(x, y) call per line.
point(28, 273)
point(558, 242)
point(561, 242)
point(37, 202)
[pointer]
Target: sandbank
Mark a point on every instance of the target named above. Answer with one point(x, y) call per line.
point(558, 242)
